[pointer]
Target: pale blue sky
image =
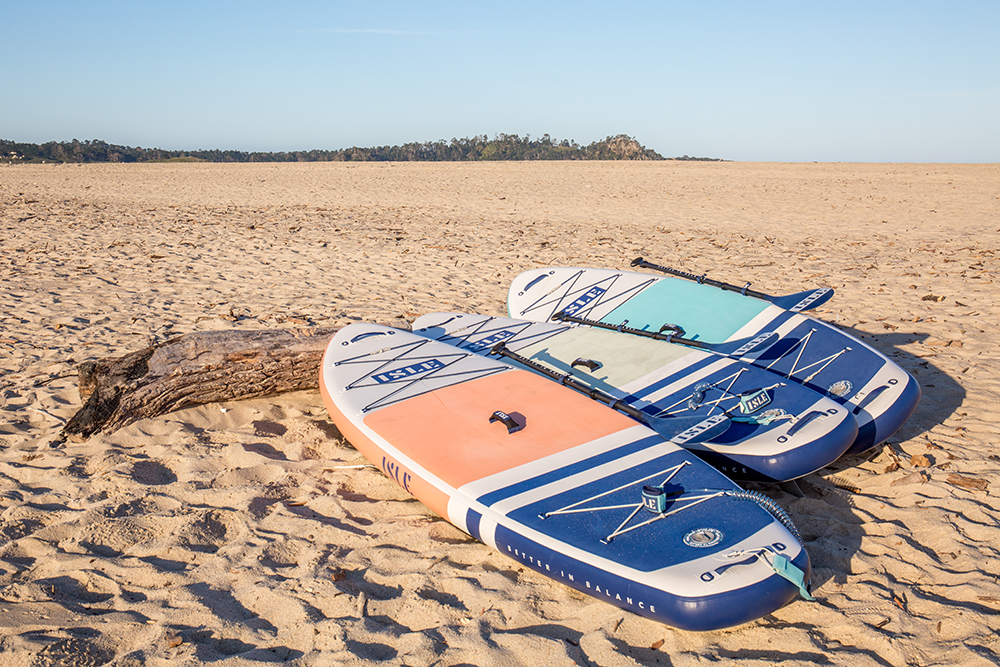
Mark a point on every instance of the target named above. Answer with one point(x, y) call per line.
point(772, 81)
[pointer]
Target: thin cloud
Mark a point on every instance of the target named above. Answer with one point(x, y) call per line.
point(388, 31)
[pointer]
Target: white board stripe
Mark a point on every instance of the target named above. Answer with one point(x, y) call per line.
point(458, 514)
point(759, 322)
point(505, 478)
point(488, 531)
point(584, 477)
point(689, 379)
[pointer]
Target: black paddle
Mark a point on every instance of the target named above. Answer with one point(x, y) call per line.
point(737, 348)
point(800, 301)
point(679, 430)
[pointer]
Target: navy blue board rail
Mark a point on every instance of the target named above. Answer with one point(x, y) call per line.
point(879, 393)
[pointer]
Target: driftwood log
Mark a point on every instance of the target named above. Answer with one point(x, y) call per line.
point(195, 368)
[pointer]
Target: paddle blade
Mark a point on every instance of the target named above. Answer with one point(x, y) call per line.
point(689, 430)
point(807, 300)
point(744, 346)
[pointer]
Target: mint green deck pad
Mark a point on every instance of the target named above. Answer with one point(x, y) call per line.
point(623, 359)
point(707, 315)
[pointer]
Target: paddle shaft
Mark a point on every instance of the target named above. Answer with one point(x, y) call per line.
point(701, 280)
point(621, 328)
point(500, 349)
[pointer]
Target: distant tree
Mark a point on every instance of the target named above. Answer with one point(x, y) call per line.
point(479, 147)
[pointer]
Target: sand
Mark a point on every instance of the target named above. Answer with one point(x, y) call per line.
point(251, 532)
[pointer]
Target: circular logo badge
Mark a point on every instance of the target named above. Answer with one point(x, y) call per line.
point(703, 537)
point(840, 388)
point(769, 416)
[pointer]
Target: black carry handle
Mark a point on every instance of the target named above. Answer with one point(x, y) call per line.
point(589, 364)
point(506, 420)
point(676, 328)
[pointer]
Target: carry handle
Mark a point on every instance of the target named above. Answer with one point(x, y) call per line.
point(506, 420)
point(676, 328)
point(590, 364)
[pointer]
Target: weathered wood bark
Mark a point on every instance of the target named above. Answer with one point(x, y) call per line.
point(195, 368)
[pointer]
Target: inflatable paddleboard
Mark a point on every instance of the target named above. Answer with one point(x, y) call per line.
point(775, 430)
point(879, 393)
point(565, 486)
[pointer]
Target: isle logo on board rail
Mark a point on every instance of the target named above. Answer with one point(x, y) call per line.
point(408, 371)
point(580, 302)
point(491, 340)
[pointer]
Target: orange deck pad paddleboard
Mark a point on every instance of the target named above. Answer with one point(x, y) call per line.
point(558, 481)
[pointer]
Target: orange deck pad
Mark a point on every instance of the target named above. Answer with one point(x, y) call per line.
point(448, 432)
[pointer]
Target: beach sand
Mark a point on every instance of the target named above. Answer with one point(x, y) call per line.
point(250, 532)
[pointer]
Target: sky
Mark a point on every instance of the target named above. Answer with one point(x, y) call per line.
point(871, 81)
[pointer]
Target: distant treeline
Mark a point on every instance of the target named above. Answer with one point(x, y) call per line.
point(500, 147)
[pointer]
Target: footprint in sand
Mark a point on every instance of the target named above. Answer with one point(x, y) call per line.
point(152, 473)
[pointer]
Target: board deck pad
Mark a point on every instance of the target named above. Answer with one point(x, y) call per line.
point(559, 485)
point(778, 430)
point(879, 393)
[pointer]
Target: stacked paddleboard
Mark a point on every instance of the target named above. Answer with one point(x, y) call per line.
point(592, 435)
point(569, 488)
point(879, 393)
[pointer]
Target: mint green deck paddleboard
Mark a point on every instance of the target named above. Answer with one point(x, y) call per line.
point(879, 393)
